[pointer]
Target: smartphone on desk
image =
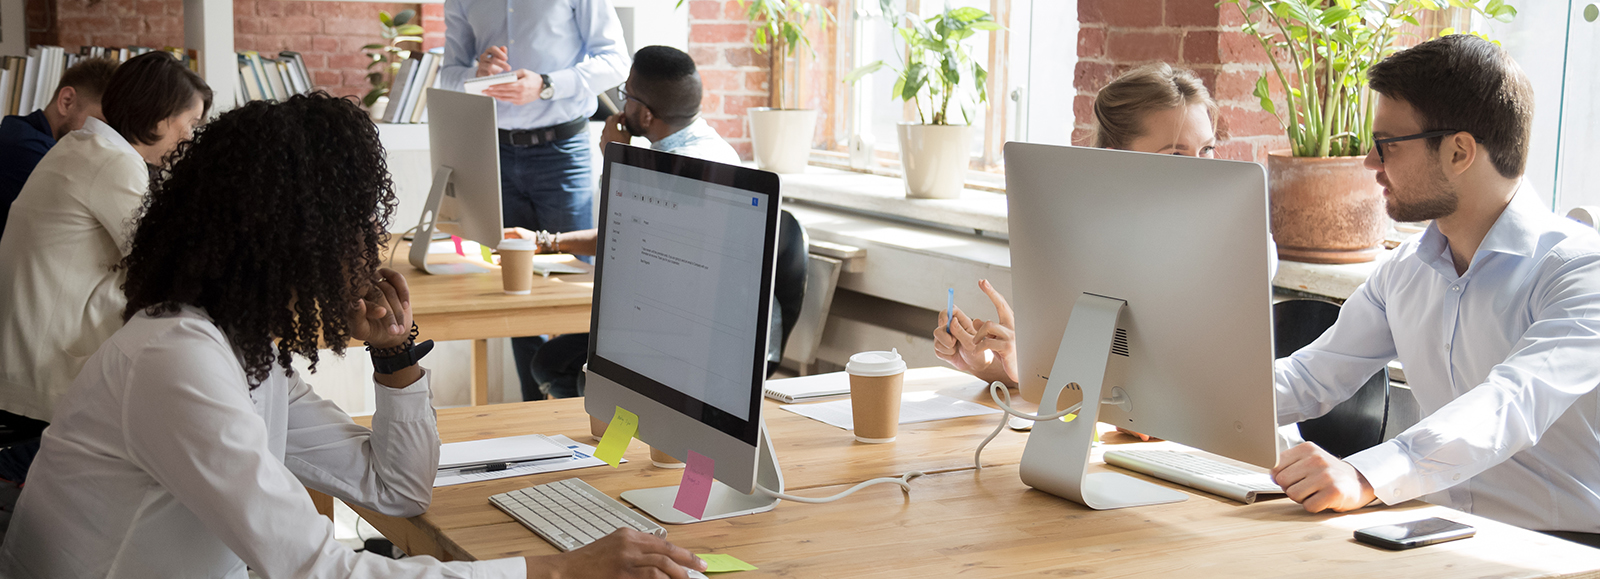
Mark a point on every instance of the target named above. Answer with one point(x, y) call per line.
point(1414, 534)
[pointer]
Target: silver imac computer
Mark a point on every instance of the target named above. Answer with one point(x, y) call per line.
point(682, 292)
point(1143, 280)
point(465, 150)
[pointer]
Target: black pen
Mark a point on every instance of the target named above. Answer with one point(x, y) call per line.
point(499, 466)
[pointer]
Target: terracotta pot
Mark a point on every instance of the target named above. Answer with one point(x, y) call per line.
point(935, 159)
point(1325, 210)
point(781, 138)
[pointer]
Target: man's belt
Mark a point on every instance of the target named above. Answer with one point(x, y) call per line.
point(546, 135)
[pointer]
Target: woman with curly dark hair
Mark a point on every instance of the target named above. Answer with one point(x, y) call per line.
point(182, 447)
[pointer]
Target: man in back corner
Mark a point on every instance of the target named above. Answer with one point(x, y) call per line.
point(1494, 310)
point(24, 139)
point(562, 54)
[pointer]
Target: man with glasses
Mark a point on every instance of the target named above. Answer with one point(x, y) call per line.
point(562, 54)
point(1494, 310)
point(662, 104)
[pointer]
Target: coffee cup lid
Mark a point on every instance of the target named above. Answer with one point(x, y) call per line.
point(518, 244)
point(876, 364)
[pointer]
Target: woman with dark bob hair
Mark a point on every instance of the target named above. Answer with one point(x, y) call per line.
point(182, 447)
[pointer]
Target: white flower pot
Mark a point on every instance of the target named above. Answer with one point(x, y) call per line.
point(935, 159)
point(376, 110)
point(782, 138)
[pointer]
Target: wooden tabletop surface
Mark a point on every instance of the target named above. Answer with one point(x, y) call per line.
point(475, 306)
point(958, 520)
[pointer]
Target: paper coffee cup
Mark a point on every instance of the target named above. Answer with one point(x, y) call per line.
point(597, 428)
point(516, 265)
point(663, 460)
point(876, 380)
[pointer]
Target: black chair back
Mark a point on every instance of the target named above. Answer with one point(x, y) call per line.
point(788, 284)
point(1355, 424)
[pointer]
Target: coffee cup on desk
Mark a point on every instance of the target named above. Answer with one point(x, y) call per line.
point(876, 380)
point(516, 265)
point(663, 460)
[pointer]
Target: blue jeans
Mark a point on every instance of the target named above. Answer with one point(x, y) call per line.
point(548, 187)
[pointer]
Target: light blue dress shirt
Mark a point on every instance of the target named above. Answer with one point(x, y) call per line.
point(1503, 361)
point(577, 42)
point(700, 141)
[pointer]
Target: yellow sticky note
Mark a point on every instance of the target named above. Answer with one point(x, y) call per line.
point(488, 254)
point(1071, 417)
point(623, 426)
point(719, 563)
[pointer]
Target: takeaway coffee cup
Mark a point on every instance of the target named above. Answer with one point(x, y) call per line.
point(663, 460)
point(516, 265)
point(876, 379)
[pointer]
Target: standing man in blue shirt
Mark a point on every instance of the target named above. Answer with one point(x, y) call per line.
point(25, 139)
point(563, 52)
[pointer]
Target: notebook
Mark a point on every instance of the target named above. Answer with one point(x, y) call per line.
point(476, 85)
point(506, 449)
point(791, 390)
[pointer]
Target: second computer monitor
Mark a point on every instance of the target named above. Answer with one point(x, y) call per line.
point(1183, 242)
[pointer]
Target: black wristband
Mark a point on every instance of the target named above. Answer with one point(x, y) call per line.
point(397, 358)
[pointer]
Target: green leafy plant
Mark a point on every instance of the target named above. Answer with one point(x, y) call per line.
point(780, 31)
point(401, 36)
point(937, 64)
point(1321, 50)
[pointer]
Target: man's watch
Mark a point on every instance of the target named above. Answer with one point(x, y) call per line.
point(548, 92)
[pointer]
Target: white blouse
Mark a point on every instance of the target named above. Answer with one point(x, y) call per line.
point(162, 462)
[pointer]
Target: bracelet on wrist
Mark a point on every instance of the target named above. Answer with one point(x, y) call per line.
point(396, 358)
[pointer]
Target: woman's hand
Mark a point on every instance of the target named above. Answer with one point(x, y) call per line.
point(986, 349)
point(624, 554)
point(383, 316)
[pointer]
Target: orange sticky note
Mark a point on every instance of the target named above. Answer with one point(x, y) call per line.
point(695, 489)
point(623, 426)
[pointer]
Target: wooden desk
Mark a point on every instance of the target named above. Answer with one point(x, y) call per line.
point(959, 520)
point(475, 307)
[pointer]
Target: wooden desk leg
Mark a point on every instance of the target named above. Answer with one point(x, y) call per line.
point(480, 372)
point(323, 502)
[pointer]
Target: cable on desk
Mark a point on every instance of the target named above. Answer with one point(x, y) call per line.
point(1002, 398)
point(395, 246)
point(903, 480)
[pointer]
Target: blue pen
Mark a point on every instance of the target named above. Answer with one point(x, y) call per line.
point(949, 309)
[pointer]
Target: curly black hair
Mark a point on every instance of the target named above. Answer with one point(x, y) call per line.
point(270, 219)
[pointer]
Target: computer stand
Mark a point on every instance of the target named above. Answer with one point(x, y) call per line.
point(1056, 459)
point(423, 238)
point(725, 502)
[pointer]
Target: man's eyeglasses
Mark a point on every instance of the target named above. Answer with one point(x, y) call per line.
point(622, 91)
point(1379, 143)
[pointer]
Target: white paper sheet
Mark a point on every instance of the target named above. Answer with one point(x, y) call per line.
point(582, 457)
point(914, 407)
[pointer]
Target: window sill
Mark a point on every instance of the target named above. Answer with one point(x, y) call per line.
point(981, 212)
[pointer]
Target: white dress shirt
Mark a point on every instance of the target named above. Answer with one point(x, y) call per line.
point(578, 43)
point(1503, 361)
point(59, 298)
point(698, 140)
point(162, 462)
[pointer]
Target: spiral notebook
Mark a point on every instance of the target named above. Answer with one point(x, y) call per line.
point(792, 390)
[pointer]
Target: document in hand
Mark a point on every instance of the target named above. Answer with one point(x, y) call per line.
point(476, 85)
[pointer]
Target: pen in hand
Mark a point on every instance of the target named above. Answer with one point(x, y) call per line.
point(949, 309)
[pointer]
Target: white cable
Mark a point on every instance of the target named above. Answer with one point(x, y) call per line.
point(903, 480)
point(997, 390)
point(396, 247)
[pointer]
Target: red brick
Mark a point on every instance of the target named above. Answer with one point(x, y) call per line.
point(1236, 150)
point(270, 9)
point(1083, 109)
point(736, 105)
point(757, 80)
point(292, 25)
point(247, 25)
point(347, 61)
point(1134, 47)
point(356, 78)
point(1121, 13)
point(1083, 137)
point(116, 39)
point(720, 32)
point(432, 40)
point(705, 9)
point(244, 8)
point(433, 11)
point(326, 78)
point(705, 56)
point(1092, 76)
point(1200, 47)
point(163, 25)
point(744, 56)
point(322, 43)
point(720, 80)
point(710, 103)
point(1248, 122)
point(296, 8)
point(1240, 48)
point(1091, 42)
point(327, 10)
point(348, 26)
point(1193, 13)
point(153, 7)
point(728, 128)
point(735, 11)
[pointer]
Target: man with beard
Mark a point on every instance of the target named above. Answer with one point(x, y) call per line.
point(1494, 310)
point(662, 104)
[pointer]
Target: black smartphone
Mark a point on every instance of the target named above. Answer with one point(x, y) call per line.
point(1414, 534)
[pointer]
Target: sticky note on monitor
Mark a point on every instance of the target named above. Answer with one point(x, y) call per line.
point(719, 563)
point(695, 489)
point(623, 426)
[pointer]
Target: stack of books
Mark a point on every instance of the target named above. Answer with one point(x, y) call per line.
point(408, 96)
point(27, 83)
point(271, 79)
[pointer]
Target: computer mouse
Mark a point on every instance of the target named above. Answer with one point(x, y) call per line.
point(1019, 424)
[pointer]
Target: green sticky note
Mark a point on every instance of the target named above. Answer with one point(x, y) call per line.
point(718, 563)
point(623, 426)
point(488, 255)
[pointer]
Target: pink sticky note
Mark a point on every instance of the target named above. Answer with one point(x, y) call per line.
point(695, 489)
point(458, 246)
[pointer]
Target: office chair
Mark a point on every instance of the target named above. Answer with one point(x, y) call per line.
point(788, 284)
point(1355, 424)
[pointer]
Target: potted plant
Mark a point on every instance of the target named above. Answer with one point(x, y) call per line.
point(402, 37)
point(936, 71)
point(781, 132)
point(1327, 207)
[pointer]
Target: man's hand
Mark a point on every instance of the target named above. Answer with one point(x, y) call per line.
point(625, 554)
point(1320, 481)
point(985, 349)
point(493, 61)
point(615, 132)
point(525, 90)
point(382, 317)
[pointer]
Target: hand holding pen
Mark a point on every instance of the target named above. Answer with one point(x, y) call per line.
point(986, 349)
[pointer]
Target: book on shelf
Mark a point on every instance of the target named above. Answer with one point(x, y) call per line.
point(397, 90)
point(430, 81)
point(408, 94)
point(31, 79)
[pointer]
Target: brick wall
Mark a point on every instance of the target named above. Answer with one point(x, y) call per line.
point(328, 34)
point(1118, 35)
point(736, 78)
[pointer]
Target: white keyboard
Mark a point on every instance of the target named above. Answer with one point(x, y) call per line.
point(1198, 473)
point(570, 514)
